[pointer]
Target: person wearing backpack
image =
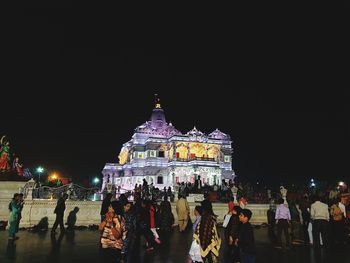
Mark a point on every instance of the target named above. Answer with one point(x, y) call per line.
point(338, 222)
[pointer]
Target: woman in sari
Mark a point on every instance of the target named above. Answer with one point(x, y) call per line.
point(13, 219)
point(206, 234)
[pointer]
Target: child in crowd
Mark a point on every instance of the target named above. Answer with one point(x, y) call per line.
point(245, 241)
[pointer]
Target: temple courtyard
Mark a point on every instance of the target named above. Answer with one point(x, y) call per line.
point(83, 246)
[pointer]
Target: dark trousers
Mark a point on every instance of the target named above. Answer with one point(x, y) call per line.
point(247, 258)
point(338, 229)
point(305, 231)
point(18, 220)
point(320, 226)
point(58, 221)
point(235, 254)
point(282, 226)
point(147, 233)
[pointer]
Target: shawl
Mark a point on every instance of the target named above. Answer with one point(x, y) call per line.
point(206, 235)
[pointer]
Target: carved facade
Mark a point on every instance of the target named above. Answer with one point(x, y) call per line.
point(162, 155)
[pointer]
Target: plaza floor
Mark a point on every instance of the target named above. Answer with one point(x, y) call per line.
point(82, 246)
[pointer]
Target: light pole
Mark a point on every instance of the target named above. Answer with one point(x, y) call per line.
point(95, 181)
point(39, 170)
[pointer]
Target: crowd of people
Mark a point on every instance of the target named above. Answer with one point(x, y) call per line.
point(312, 220)
point(317, 218)
point(124, 222)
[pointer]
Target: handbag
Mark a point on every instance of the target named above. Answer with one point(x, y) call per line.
point(195, 252)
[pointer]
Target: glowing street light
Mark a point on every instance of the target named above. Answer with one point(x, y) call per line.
point(96, 180)
point(54, 176)
point(39, 171)
point(341, 184)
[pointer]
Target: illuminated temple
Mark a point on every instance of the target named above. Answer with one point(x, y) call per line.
point(164, 156)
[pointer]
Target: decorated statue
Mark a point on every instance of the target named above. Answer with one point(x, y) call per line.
point(234, 191)
point(4, 154)
point(17, 167)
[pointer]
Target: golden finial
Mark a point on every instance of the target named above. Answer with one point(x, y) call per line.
point(157, 101)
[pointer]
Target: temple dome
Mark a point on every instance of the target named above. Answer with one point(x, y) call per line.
point(195, 132)
point(157, 125)
point(164, 130)
point(217, 134)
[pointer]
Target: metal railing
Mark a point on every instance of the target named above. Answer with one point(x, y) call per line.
point(75, 192)
point(195, 159)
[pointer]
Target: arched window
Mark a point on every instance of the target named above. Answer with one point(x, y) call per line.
point(160, 180)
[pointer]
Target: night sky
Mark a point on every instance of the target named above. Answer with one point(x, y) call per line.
point(76, 90)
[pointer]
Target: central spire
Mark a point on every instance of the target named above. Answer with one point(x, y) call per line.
point(157, 102)
point(158, 117)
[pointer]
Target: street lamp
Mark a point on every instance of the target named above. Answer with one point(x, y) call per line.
point(39, 170)
point(54, 176)
point(96, 180)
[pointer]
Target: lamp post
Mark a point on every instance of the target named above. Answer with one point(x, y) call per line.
point(40, 170)
point(96, 181)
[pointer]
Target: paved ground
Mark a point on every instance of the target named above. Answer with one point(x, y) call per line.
point(82, 246)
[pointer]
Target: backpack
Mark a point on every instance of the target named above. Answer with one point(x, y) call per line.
point(337, 213)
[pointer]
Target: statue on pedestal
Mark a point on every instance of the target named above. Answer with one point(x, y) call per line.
point(234, 191)
point(284, 194)
point(4, 154)
point(17, 167)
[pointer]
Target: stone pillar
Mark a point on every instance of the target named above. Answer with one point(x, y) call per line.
point(188, 151)
point(174, 152)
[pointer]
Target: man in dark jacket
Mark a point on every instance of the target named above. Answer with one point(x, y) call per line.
point(245, 241)
point(231, 232)
point(59, 211)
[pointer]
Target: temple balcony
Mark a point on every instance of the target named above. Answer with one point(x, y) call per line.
point(196, 159)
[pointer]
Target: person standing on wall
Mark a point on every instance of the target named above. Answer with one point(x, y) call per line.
point(59, 211)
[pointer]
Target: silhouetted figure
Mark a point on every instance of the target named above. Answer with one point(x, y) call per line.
point(166, 216)
point(42, 226)
point(20, 208)
point(59, 211)
point(72, 219)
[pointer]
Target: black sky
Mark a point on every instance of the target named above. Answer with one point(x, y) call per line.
point(76, 84)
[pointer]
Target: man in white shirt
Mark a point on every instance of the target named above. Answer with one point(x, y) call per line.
point(320, 216)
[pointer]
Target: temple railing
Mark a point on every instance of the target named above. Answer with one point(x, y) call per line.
point(74, 191)
point(195, 159)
